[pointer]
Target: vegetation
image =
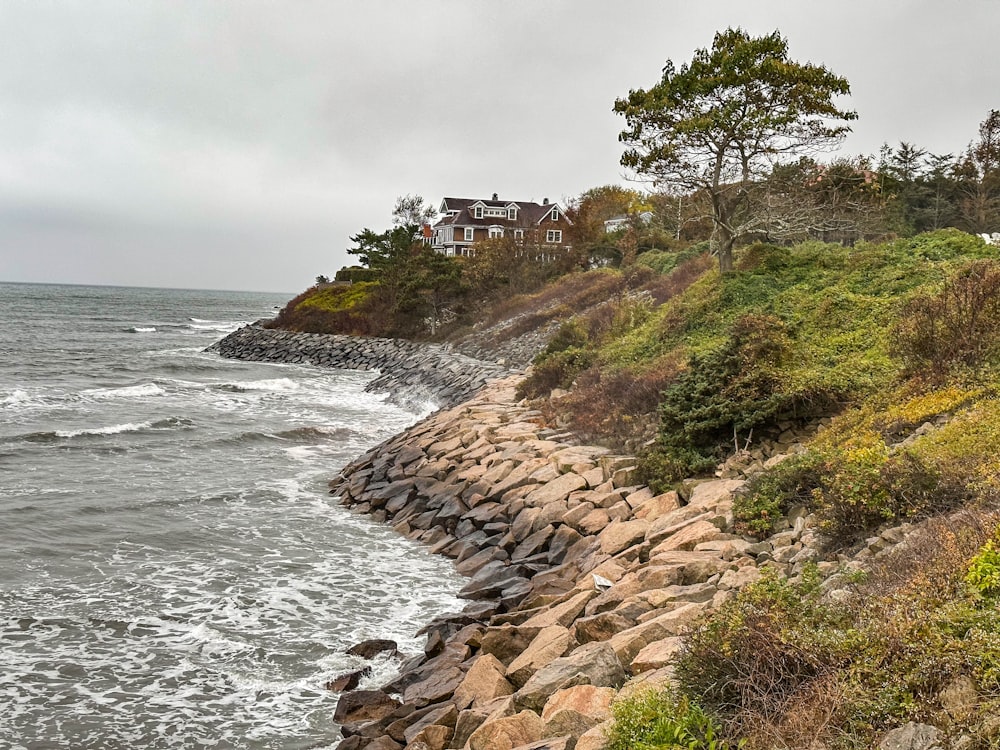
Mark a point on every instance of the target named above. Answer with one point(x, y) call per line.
point(852, 298)
point(718, 123)
point(662, 720)
point(783, 666)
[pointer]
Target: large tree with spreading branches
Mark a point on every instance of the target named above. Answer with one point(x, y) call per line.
point(718, 125)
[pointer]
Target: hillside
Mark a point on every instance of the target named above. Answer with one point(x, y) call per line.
point(876, 369)
point(878, 365)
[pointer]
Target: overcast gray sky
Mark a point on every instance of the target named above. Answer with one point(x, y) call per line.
point(238, 145)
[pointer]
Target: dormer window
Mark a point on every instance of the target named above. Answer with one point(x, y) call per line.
point(555, 214)
point(477, 212)
point(512, 214)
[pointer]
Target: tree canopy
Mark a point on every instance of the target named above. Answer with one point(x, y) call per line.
point(719, 123)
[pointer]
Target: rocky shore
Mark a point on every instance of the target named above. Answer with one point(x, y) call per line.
point(407, 371)
point(581, 581)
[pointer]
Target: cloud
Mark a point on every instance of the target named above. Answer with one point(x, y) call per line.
point(230, 129)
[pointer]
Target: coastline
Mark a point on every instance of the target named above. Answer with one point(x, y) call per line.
point(409, 372)
point(581, 581)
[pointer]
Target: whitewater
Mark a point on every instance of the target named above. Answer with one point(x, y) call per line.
point(173, 571)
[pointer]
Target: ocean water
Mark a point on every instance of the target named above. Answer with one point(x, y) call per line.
point(173, 572)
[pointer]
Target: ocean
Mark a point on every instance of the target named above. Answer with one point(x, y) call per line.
point(173, 570)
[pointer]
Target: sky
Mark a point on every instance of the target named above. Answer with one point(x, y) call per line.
point(238, 144)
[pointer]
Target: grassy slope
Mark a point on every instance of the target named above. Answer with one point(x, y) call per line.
point(824, 330)
point(677, 352)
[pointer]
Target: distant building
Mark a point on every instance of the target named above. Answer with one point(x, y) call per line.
point(466, 221)
point(620, 222)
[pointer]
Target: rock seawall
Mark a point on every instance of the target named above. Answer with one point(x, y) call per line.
point(581, 581)
point(408, 371)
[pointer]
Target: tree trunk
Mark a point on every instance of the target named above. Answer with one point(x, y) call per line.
point(726, 242)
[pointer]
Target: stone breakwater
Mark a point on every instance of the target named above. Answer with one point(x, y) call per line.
point(581, 581)
point(408, 370)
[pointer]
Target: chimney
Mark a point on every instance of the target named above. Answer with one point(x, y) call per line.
point(545, 201)
point(496, 197)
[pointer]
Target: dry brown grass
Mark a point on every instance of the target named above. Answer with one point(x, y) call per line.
point(618, 408)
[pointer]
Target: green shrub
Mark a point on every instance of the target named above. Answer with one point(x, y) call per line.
point(984, 570)
point(771, 494)
point(661, 720)
point(729, 391)
point(554, 370)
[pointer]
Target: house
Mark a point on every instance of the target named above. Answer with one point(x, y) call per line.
point(466, 221)
point(620, 222)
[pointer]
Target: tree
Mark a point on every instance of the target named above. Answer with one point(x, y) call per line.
point(978, 175)
point(411, 211)
point(720, 122)
point(839, 201)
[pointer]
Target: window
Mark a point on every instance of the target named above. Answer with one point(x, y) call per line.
point(469, 233)
point(478, 212)
point(555, 214)
point(518, 234)
point(496, 232)
point(512, 214)
point(553, 235)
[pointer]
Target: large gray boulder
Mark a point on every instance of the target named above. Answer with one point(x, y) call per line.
point(912, 736)
point(591, 664)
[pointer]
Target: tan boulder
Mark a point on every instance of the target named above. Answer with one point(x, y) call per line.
point(658, 654)
point(593, 522)
point(621, 535)
point(737, 579)
point(508, 732)
point(594, 739)
point(588, 700)
point(468, 722)
point(578, 512)
point(657, 506)
point(629, 643)
point(697, 593)
point(558, 489)
point(561, 614)
point(690, 535)
point(694, 567)
point(431, 737)
point(550, 643)
point(565, 742)
point(638, 496)
point(497, 473)
point(670, 523)
point(591, 664)
point(485, 681)
point(507, 642)
point(600, 627)
point(520, 476)
point(708, 495)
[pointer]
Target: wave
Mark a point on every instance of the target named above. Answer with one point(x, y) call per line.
point(170, 423)
point(274, 384)
point(15, 397)
point(315, 433)
point(128, 391)
point(114, 429)
point(214, 326)
point(141, 329)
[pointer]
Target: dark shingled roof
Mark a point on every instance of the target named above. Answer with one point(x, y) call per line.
point(528, 212)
